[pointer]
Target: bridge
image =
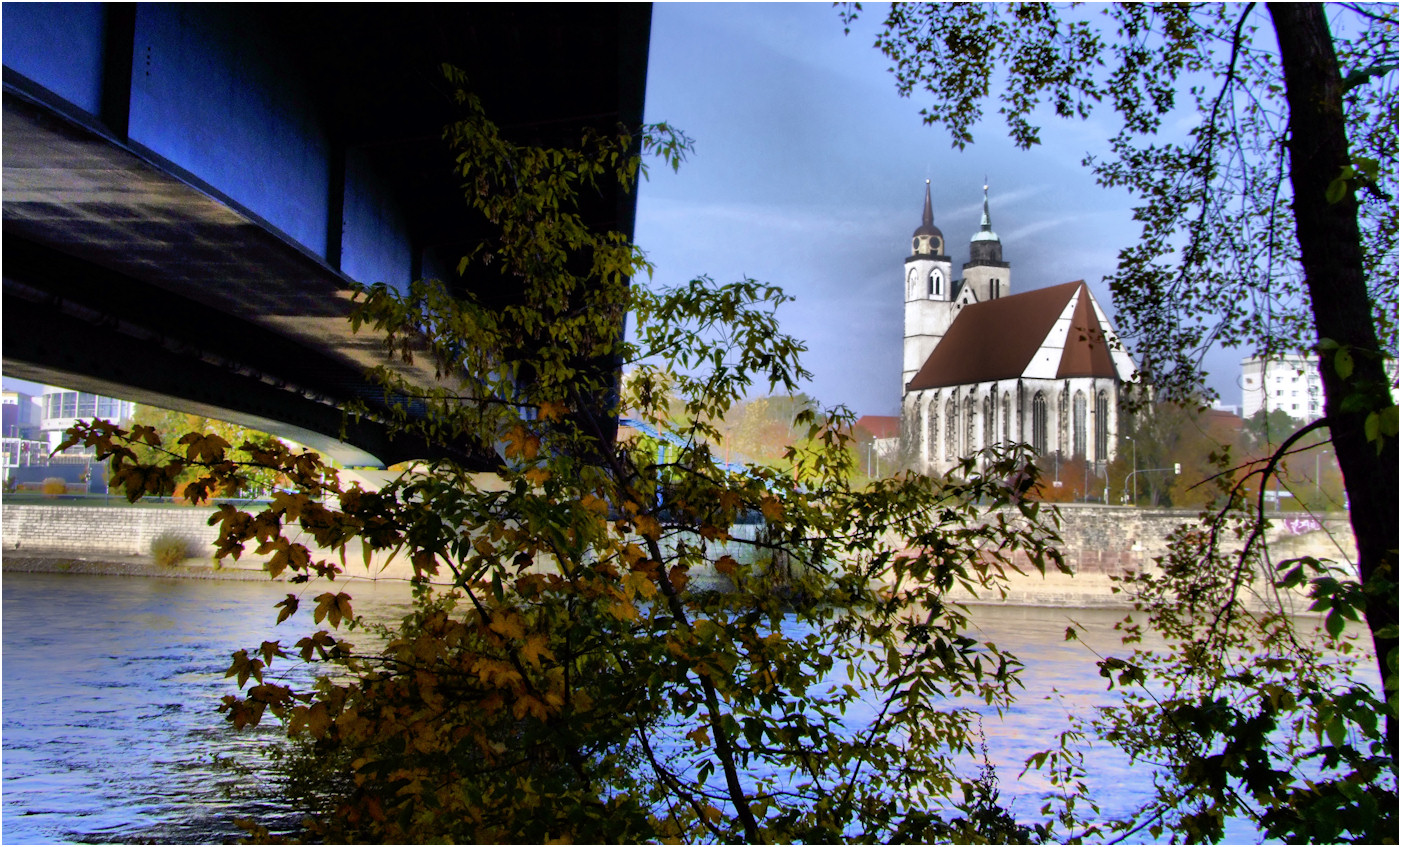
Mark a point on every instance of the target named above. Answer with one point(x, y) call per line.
point(190, 190)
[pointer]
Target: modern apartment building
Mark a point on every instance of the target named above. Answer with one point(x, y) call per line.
point(1289, 383)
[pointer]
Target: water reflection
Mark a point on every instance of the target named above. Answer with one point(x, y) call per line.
point(110, 690)
point(111, 685)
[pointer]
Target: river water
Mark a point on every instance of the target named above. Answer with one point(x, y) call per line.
point(111, 685)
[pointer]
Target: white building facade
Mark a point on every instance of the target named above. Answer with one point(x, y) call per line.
point(986, 367)
point(1290, 384)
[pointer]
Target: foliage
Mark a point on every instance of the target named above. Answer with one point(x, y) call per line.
point(557, 679)
point(54, 486)
point(161, 427)
point(169, 549)
point(1269, 428)
point(1251, 712)
point(761, 428)
point(1269, 224)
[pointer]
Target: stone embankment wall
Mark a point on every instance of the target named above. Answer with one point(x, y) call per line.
point(1099, 542)
point(99, 530)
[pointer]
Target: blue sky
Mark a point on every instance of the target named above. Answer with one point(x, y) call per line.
point(809, 172)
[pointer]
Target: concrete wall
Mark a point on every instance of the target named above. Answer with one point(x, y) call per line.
point(217, 94)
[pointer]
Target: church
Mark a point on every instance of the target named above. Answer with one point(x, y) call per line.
point(984, 366)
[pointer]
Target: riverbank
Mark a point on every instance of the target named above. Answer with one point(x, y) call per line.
point(40, 562)
point(1099, 543)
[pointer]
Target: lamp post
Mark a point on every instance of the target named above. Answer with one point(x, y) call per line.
point(1317, 479)
point(1131, 475)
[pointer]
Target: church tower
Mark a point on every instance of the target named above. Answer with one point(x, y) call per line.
point(928, 292)
point(986, 273)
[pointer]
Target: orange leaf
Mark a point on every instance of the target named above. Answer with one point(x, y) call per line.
point(552, 411)
point(648, 527)
point(520, 443)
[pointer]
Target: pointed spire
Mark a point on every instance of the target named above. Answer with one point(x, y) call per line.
point(928, 206)
point(985, 232)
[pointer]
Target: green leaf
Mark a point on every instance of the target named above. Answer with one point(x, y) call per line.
point(1342, 362)
point(1334, 623)
point(1336, 730)
point(1337, 189)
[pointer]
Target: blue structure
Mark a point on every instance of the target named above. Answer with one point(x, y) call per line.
point(189, 189)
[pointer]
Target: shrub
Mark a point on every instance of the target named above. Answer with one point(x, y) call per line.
point(54, 486)
point(169, 549)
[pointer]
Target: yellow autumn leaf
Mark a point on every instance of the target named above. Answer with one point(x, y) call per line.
point(772, 508)
point(726, 565)
point(638, 582)
point(508, 624)
point(700, 736)
point(203, 448)
point(594, 504)
point(537, 476)
point(521, 444)
point(536, 645)
point(552, 411)
point(623, 610)
point(527, 705)
point(648, 527)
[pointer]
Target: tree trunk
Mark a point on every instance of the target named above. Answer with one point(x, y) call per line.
point(1331, 250)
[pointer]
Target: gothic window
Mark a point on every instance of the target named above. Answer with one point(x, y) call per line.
point(989, 421)
point(996, 287)
point(936, 284)
point(1101, 426)
point(950, 430)
point(1062, 420)
point(917, 431)
point(970, 433)
point(1079, 442)
point(933, 430)
point(1006, 418)
point(1038, 422)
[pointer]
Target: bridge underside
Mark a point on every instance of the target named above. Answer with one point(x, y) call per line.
point(125, 276)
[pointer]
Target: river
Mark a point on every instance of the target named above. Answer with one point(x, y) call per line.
point(111, 685)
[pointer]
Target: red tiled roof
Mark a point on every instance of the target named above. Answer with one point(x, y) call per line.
point(1220, 417)
point(879, 426)
point(1086, 350)
point(997, 339)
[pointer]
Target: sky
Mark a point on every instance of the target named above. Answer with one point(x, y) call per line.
point(808, 172)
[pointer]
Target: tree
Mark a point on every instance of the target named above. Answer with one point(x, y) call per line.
point(557, 680)
point(153, 427)
point(1266, 428)
point(1253, 225)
